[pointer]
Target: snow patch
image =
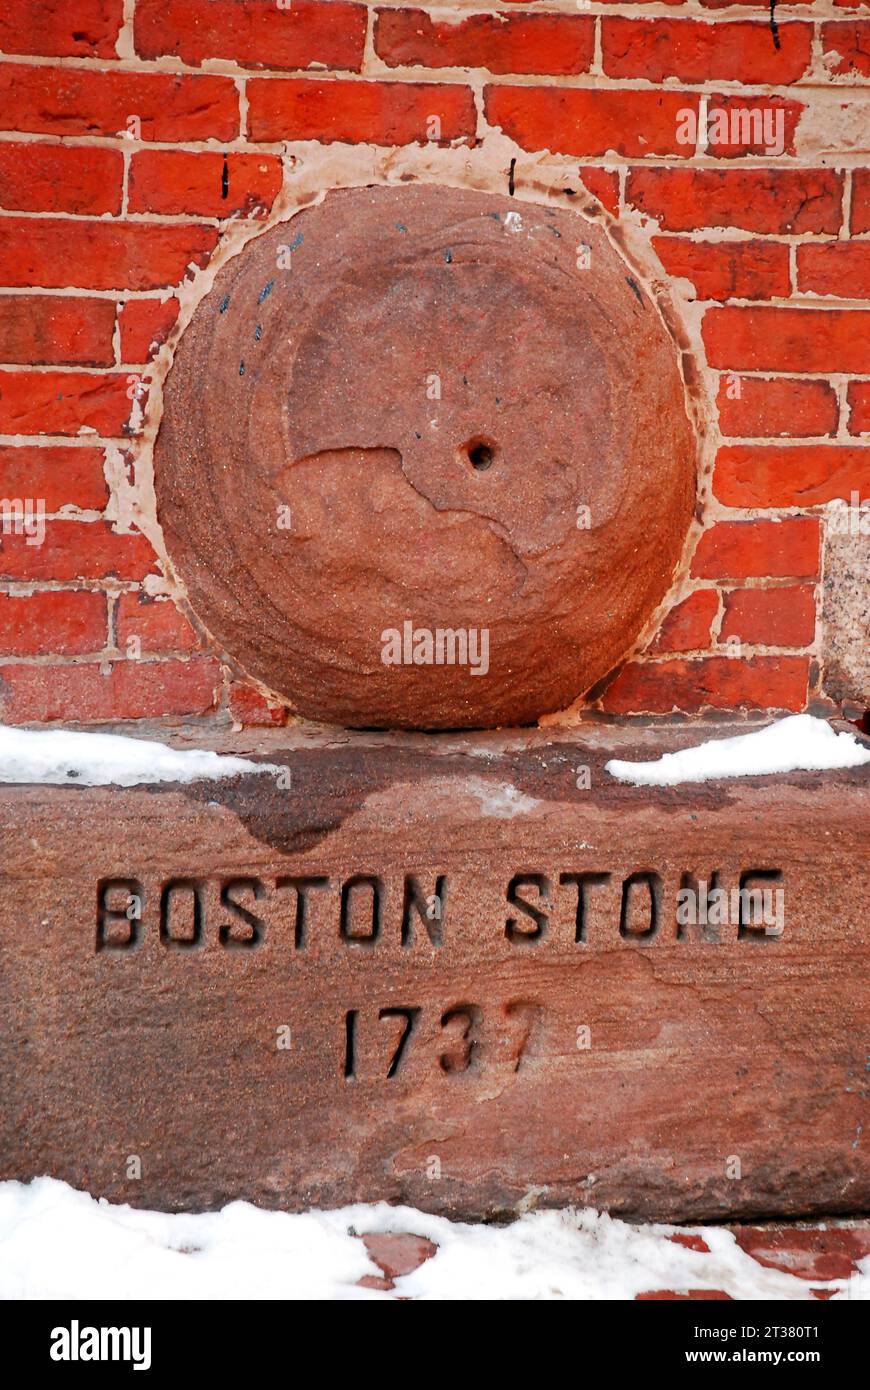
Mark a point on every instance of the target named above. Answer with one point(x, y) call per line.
point(60, 757)
point(56, 1242)
point(799, 742)
point(501, 800)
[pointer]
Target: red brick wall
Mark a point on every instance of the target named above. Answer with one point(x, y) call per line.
point(136, 133)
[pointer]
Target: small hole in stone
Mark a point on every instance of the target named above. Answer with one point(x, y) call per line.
point(480, 453)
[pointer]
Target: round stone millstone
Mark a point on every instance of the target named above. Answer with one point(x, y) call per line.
point(424, 459)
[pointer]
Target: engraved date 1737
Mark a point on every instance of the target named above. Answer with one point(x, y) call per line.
point(460, 1039)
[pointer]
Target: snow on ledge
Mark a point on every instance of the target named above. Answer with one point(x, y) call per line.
point(59, 757)
point(501, 800)
point(800, 742)
point(56, 1242)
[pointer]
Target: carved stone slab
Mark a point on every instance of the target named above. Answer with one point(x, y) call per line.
point(245, 989)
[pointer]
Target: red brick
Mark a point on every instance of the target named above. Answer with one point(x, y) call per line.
point(590, 121)
point(604, 186)
point(63, 622)
point(788, 340)
point(840, 268)
point(157, 624)
point(78, 101)
point(747, 126)
point(797, 475)
point(60, 178)
point(59, 476)
point(64, 403)
point(776, 407)
point(145, 324)
point(700, 52)
point(45, 329)
point(850, 40)
point(690, 1296)
point(728, 269)
point(807, 1254)
point(756, 200)
point(787, 549)
point(724, 4)
point(131, 690)
point(858, 398)
point(770, 617)
point(555, 44)
point(687, 627)
point(717, 682)
point(382, 113)
point(861, 201)
point(207, 185)
point(76, 550)
point(253, 33)
point(250, 709)
point(67, 28)
point(53, 253)
point(690, 1241)
point(397, 1253)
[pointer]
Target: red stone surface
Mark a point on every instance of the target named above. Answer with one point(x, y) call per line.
point(668, 1295)
point(57, 178)
point(206, 185)
point(859, 407)
point(56, 330)
point(59, 476)
point(101, 255)
point(727, 270)
point(294, 35)
point(558, 44)
point(68, 28)
point(687, 627)
point(590, 121)
point(145, 325)
point(800, 475)
point(754, 200)
point(384, 113)
point(690, 1240)
point(250, 708)
point(156, 624)
point(786, 617)
point(709, 683)
point(755, 549)
point(168, 1025)
point(395, 1255)
point(359, 519)
point(808, 1253)
point(60, 101)
point(656, 49)
point(788, 340)
point(752, 407)
point(116, 689)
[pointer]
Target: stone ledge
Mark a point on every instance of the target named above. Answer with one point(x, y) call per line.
point(552, 1039)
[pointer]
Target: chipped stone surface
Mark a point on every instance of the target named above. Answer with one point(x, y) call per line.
point(846, 610)
point(428, 407)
